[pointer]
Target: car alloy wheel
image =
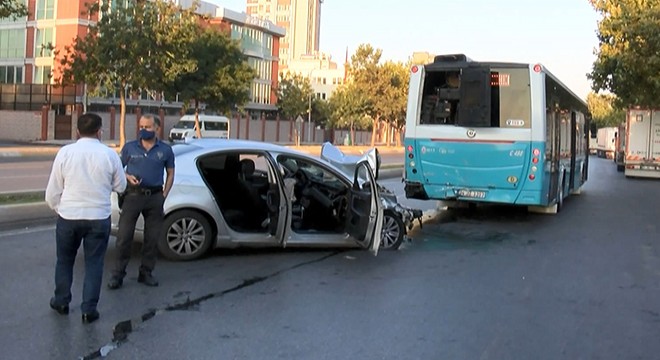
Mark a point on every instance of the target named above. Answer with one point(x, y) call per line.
point(393, 231)
point(187, 236)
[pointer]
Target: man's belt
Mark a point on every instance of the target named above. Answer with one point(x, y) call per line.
point(144, 190)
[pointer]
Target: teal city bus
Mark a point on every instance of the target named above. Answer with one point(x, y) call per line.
point(493, 132)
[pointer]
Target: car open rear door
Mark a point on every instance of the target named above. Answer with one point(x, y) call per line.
point(364, 220)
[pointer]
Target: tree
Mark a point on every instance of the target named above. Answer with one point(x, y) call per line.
point(384, 86)
point(364, 72)
point(349, 107)
point(220, 76)
point(321, 112)
point(628, 56)
point(395, 98)
point(293, 95)
point(604, 111)
point(131, 47)
point(12, 9)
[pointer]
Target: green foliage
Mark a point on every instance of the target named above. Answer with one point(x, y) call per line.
point(349, 106)
point(378, 90)
point(294, 94)
point(12, 9)
point(128, 48)
point(628, 56)
point(159, 46)
point(321, 112)
point(604, 111)
point(219, 75)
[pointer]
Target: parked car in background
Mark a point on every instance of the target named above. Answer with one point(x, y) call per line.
point(211, 126)
point(231, 193)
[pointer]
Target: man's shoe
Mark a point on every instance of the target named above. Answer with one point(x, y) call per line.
point(147, 279)
point(90, 317)
point(115, 283)
point(61, 309)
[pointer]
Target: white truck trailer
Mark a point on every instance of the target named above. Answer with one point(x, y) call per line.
point(605, 142)
point(642, 143)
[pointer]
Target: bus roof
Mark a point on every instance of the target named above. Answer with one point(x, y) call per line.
point(454, 61)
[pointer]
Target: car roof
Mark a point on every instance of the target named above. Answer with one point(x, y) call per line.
point(205, 145)
point(199, 147)
point(205, 117)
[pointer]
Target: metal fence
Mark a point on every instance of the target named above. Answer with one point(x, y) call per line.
point(32, 97)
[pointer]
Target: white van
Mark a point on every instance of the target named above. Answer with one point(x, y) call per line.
point(212, 126)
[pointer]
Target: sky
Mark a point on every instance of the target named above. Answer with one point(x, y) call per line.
point(560, 34)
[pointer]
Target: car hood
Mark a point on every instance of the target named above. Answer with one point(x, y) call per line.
point(348, 163)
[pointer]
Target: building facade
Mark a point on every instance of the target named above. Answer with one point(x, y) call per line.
point(27, 58)
point(323, 73)
point(300, 18)
point(259, 40)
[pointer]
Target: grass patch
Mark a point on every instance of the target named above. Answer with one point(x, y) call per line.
point(22, 197)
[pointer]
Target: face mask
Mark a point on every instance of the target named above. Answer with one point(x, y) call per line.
point(146, 134)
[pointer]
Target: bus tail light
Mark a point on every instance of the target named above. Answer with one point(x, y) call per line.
point(532, 176)
point(410, 152)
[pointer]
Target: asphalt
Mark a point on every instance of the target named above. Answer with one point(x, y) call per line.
point(34, 214)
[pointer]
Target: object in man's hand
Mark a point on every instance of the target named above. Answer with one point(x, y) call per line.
point(120, 199)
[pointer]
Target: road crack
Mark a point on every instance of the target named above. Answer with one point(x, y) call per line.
point(123, 329)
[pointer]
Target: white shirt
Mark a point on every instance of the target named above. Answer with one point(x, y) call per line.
point(84, 175)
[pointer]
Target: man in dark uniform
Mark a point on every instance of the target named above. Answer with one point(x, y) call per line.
point(144, 159)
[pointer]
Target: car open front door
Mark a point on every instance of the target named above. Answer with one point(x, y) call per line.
point(279, 204)
point(364, 218)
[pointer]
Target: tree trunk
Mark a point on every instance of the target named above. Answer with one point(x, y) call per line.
point(373, 130)
point(122, 117)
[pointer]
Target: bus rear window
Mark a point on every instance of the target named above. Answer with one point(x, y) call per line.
point(447, 91)
point(510, 98)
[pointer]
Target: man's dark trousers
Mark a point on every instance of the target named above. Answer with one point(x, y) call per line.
point(94, 236)
point(150, 205)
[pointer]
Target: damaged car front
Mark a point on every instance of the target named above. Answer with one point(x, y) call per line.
point(398, 219)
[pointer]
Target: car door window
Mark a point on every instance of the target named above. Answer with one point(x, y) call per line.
point(319, 195)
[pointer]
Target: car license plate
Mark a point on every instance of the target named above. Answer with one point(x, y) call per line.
point(472, 193)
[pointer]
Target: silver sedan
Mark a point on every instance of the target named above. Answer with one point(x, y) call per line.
point(231, 193)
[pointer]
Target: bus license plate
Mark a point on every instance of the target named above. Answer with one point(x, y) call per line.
point(472, 193)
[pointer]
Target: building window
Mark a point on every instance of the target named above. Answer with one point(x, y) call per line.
point(12, 44)
point(45, 9)
point(42, 75)
point(44, 43)
point(11, 74)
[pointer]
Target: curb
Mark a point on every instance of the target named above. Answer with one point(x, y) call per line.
point(25, 215)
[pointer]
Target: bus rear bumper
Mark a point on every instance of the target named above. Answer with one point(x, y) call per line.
point(500, 196)
point(415, 190)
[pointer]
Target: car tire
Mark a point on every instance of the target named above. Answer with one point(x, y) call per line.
point(187, 235)
point(393, 231)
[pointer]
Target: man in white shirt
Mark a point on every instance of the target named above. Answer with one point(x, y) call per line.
point(84, 175)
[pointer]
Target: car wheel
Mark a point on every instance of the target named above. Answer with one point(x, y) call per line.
point(393, 231)
point(187, 236)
